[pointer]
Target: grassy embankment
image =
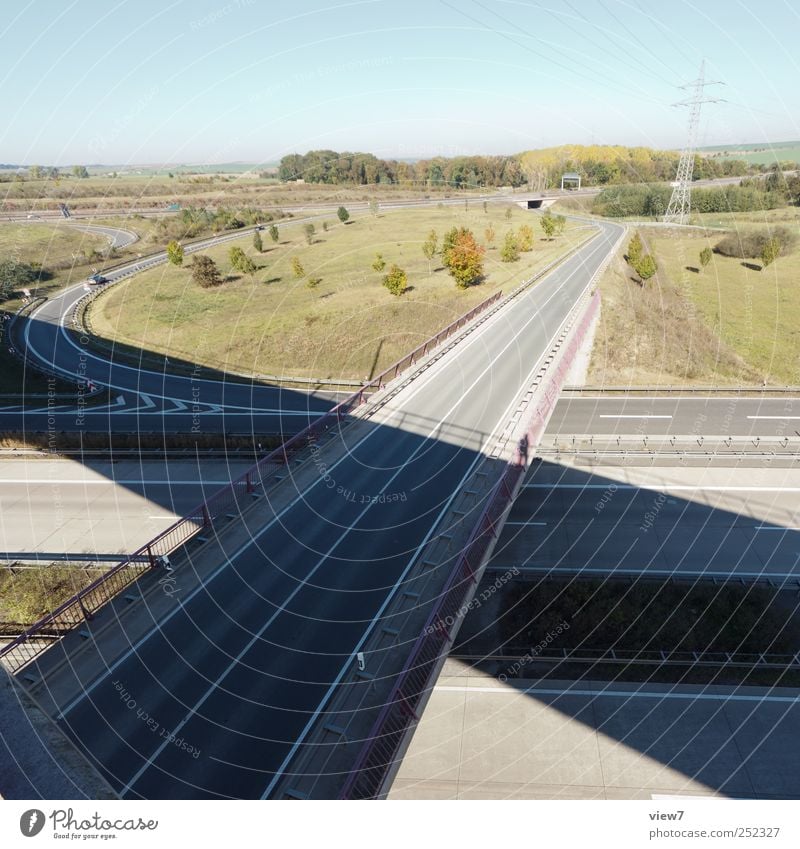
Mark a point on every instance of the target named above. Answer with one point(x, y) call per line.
point(348, 326)
point(729, 324)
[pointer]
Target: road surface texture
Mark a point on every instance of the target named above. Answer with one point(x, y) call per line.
point(724, 518)
point(226, 684)
point(690, 414)
point(483, 739)
point(65, 509)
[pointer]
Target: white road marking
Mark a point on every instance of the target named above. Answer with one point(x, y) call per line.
point(631, 416)
point(115, 481)
point(778, 418)
point(621, 694)
point(775, 528)
point(149, 403)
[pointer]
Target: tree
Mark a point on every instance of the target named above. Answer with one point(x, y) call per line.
point(379, 263)
point(343, 215)
point(771, 251)
point(508, 214)
point(373, 207)
point(396, 280)
point(705, 257)
point(646, 267)
point(525, 237)
point(257, 243)
point(205, 272)
point(463, 257)
point(635, 250)
point(36, 172)
point(324, 226)
point(274, 234)
point(16, 275)
point(309, 231)
point(548, 225)
point(297, 267)
point(510, 250)
point(489, 235)
point(175, 252)
point(313, 282)
point(240, 261)
point(80, 172)
point(561, 223)
point(429, 248)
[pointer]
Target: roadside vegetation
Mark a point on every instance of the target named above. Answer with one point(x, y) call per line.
point(722, 308)
point(331, 308)
point(27, 594)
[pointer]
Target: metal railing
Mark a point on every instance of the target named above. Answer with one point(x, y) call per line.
point(82, 606)
point(382, 746)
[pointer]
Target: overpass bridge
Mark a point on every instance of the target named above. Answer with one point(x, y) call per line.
point(204, 681)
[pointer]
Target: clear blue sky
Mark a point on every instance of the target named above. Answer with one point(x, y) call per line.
point(140, 81)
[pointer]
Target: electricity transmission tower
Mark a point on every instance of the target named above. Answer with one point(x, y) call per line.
point(681, 201)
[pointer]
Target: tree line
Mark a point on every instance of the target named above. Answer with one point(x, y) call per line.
point(538, 169)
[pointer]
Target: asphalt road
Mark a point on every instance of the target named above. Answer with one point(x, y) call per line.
point(709, 521)
point(685, 415)
point(56, 509)
point(240, 668)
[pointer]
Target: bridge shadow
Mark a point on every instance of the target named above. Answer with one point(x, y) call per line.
point(639, 615)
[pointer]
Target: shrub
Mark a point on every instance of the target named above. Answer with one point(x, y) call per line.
point(379, 263)
point(748, 244)
point(396, 280)
point(510, 250)
point(205, 272)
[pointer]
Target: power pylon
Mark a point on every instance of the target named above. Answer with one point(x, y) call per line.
point(680, 203)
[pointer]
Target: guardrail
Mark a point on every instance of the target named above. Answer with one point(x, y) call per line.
point(85, 603)
point(379, 753)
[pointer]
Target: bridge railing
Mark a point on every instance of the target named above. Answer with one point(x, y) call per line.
point(229, 500)
point(381, 749)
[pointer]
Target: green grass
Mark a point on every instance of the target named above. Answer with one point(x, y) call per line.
point(347, 327)
point(53, 245)
point(758, 154)
point(755, 313)
point(729, 324)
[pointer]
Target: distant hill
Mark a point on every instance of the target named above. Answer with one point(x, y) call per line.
point(755, 153)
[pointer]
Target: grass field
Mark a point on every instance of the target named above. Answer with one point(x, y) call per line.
point(729, 324)
point(758, 154)
point(349, 326)
point(53, 245)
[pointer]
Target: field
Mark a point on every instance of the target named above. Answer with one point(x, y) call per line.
point(757, 154)
point(54, 246)
point(727, 325)
point(348, 326)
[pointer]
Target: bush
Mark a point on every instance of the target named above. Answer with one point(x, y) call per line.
point(510, 250)
point(205, 272)
point(748, 244)
point(396, 280)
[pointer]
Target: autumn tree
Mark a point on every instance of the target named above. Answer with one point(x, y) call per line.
point(205, 272)
point(80, 172)
point(257, 243)
point(771, 251)
point(705, 256)
point(510, 250)
point(175, 253)
point(429, 248)
point(548, 225)
point(396, 280)
point(297, 267)
point(463, 257)
point(489, 235)
point(274, 234)
point(379, 263)
point(525, 237)
point(240, 261)
point(309, 231)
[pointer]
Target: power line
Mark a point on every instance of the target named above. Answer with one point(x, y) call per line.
point(680, 203)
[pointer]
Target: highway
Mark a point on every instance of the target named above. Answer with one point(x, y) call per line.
point(242, 666)
point(692, 414)
point(57, 509)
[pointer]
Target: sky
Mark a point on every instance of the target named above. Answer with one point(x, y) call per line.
point(209, 81)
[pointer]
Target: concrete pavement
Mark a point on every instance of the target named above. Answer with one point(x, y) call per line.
point(483, 739)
